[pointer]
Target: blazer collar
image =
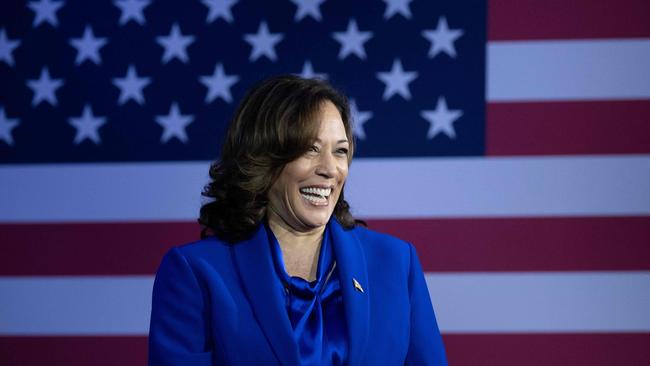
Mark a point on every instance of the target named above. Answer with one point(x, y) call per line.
point(255, 266)
point(351, 263)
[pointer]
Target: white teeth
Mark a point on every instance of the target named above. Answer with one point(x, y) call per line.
point(323, 192)
point(314, 199)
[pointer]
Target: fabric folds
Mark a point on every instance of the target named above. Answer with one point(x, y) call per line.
point(315, 309)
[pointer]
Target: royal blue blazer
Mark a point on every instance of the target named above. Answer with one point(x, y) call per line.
point(216, 303)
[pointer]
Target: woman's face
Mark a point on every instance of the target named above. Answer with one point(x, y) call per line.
point(305, 193)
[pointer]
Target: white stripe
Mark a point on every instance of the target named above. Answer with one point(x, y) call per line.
point(377, 188)
point(472, 303)
point(545, 186)
point(568, 70)
point(542, 302)
point(102, 192)
point(75, 305)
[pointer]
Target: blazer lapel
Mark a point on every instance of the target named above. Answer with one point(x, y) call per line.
point(255, 266)
point(355, 287)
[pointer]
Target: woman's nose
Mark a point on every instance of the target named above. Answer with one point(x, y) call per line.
point(326, 166)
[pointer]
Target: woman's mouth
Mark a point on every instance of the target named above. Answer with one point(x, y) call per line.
point(315, 195)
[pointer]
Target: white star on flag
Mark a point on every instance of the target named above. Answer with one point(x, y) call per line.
point(44, 88)
point(218, 84)
point(442, 38)
point(219, 9)
point(174, 124)
point(131, 86)
point(359, 118)
point(263, 42)
point(441, 119)
point(132, 10)
point(7, 47)
point(88, 47)
point(87, 125)
point(397, 6)
point(175, 45)
point(309, 73)
point(308, 7)
point(352, 41)
point(45, 11)
point(6, 125)
point(397, 81)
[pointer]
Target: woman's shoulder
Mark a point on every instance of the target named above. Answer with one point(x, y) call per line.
point(207, 247)
point(204, 258)
point(384, 244)
point(369, 234)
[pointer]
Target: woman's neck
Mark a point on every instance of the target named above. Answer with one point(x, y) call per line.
point(300, 250)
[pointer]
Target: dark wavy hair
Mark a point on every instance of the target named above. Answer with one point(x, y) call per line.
point(274, 125)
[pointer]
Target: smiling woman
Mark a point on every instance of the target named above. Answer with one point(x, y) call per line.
point(283, 274)
point(305, 193)
point(277, 123)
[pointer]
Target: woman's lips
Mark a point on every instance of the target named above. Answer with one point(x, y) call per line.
point(316, 195)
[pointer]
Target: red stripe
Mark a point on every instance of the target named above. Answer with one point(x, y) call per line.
point(469, 244)
point(526, 244)
point(89, 249)
point(66, 351)
point(462, 349)
point(548, 128)
point(547, 349)
point(566, 19)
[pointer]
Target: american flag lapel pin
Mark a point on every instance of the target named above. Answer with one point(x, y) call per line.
point(357, 285)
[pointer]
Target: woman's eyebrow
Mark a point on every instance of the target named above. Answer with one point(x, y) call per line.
point(344, 141)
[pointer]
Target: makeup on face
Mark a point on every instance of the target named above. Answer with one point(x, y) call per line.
point(306, 192)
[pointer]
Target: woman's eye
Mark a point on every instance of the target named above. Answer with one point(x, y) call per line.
point(342, 151)
point(313, 148)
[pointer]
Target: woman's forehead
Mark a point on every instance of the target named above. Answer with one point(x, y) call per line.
point(330, 123)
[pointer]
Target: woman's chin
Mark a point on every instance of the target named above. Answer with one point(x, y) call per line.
point(314, 220)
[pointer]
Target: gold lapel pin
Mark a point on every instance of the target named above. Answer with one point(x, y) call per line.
point(357, 285)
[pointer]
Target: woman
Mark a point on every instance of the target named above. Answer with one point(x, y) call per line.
point(283, 275)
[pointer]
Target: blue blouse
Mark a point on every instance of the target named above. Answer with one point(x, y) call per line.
point(315, 308)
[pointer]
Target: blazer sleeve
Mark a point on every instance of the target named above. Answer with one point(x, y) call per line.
point(425, 345)
point(178, 333)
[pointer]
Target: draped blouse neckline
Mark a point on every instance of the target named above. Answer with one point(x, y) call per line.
point(315, 308)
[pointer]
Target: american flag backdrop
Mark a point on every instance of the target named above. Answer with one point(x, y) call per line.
point(509, 140)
